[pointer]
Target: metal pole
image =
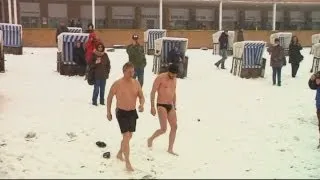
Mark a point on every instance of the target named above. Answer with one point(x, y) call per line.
point(220, 15)
point(10, 11)
point(160, 14)
point(274, 16)
point(15, 13)
point(93, 13)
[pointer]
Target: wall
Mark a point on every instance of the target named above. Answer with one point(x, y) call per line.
point(197, 38)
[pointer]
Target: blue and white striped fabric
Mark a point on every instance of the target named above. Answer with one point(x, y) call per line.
point(12, 34)
point(66, 43)
point(252, 55)
point(151, 35)
point(75, 29)
point(164, 45)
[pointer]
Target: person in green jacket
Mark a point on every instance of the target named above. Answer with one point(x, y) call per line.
point(137, 57)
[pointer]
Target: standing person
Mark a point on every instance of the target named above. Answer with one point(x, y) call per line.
point(277, 60)
point(176, 57)
point(223, 45)
point(137, 57)
point(165, 86)
point(79, 56)
point(314, 84)
point(101, 67)
point(60, 29)
point(90, 28)
point(295, 56)
point(126, 90)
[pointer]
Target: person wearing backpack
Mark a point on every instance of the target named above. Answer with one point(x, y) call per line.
point(98, 74)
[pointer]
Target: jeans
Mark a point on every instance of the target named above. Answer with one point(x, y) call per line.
point(139, 73)
point(294, 69)
point(276, 74)
point(224, 54)
point(99, 86)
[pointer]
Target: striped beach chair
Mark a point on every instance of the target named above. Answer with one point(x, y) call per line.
point(2, 65)
point(215, 40)
point(316, 58)
point(314, 39)
point(66, 43)
point(285, 39)
point(162, 48)
point(247, 59)
point(75, 29)
point(12, 38)
point(150, 36)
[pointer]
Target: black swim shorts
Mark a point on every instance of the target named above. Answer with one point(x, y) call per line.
point(127, 120)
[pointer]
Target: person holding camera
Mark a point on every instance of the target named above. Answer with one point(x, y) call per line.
point(314, 84)
point(277, 60)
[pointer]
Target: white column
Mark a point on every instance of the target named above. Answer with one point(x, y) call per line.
point(274, 16)
point(15, 12)
point(2, 11)
point(94, 13)
point(10, 11)
point(220, 15)
point(160, 14)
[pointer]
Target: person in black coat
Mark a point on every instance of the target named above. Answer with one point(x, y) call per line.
point(223, 43)
point(79, 54)
point(176, 57)
point(295, 56)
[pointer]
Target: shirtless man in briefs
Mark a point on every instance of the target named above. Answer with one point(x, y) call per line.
point(126, 90)
point(165, 86)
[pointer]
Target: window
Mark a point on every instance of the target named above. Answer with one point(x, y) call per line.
point(100, 16)
point(150, 18)
point(229, 19)
point(315, 17)
point(297, 20)
point(30, 15)
point(252, 19)
point(205, 18)
point(123, 17)
point(56, 13)
point(179, 18)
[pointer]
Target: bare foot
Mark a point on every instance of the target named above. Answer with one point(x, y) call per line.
point(129, 167)
point(149, 143)
point(119, 156)
point(173, 153)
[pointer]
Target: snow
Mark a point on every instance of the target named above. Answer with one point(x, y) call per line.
point(247, 129)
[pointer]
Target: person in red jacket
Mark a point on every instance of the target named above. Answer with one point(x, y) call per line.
point(90, 47)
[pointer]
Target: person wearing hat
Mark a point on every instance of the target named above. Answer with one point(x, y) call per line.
point(165, 86)
point(137, 57)
point(277, 60)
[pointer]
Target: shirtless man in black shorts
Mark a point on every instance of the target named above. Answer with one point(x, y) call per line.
point(165, 85)
point(126, 90)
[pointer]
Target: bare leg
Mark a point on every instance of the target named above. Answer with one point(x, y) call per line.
point(126, 149)
point(162, 112)
point(172, 118)
point(120, 153)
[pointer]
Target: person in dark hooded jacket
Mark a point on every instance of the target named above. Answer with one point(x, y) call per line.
point(295, 56)
point(223, 45)
point(101, 66)
point(79, 54)
point(314, 84)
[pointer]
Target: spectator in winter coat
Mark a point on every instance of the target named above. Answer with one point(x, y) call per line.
point(137, 57)
point(90, 46)
point(295, 56)
point(90, 28)
point(101, 67)
point(176, 57)
point(277, 60)
point(314, 84)
point(60, 29)
point(79, 54)
point(223, 42)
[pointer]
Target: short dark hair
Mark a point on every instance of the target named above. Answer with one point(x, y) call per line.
point(127, 65)
point(277, 40)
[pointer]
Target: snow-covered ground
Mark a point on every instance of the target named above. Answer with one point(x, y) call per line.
point(247, 128)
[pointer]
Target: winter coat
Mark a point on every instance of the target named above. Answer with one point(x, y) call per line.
point(314, 86)
point(79, 56)
point(90, 47)
point(223, 41)
point(174, 56)
point(278, 58)
point(136, 55)
point(295, 56)
point(101, 69)
point(60, 30)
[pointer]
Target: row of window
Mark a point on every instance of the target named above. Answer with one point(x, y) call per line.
point(34, 22)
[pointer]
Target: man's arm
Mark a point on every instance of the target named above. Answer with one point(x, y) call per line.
point(140, 94)
point(155, 87)
point(112, 92)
